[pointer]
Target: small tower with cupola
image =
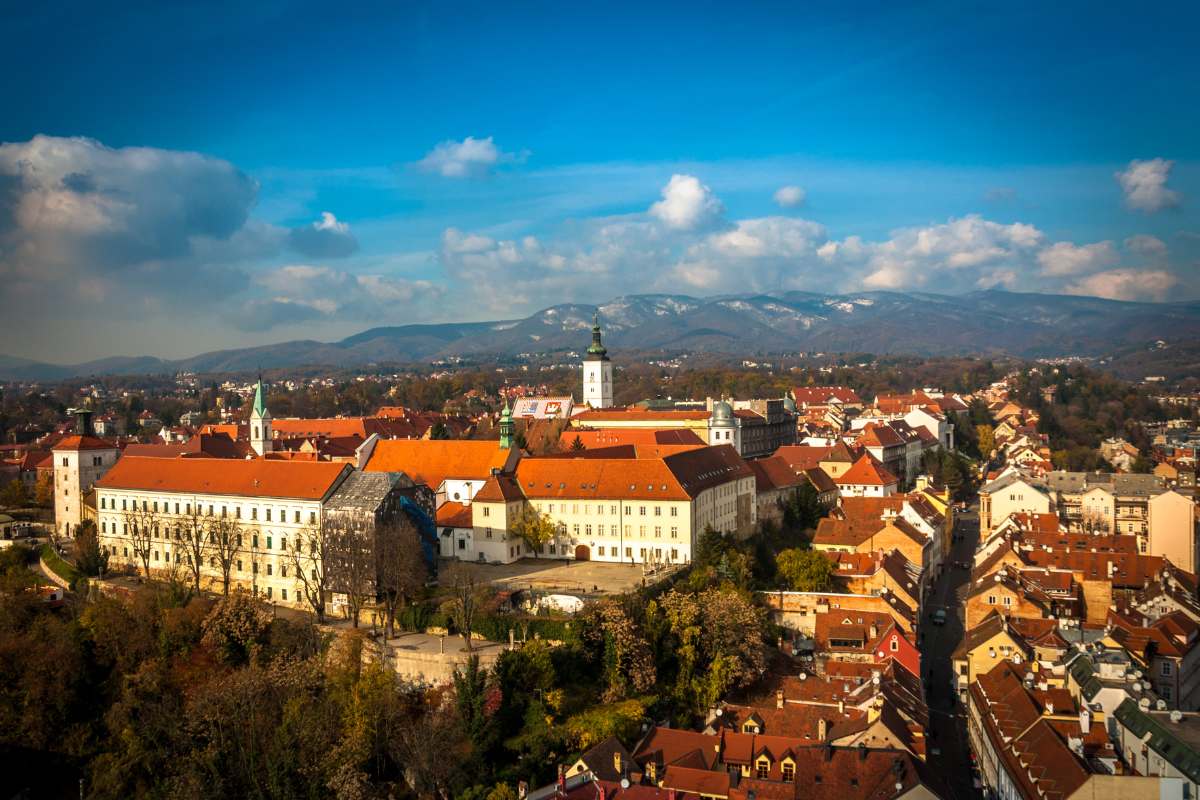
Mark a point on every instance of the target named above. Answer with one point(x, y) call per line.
point(506, 426)
point(260, 422)
point(597, 371)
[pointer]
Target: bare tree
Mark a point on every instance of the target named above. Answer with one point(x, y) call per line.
point(351, 560)
point(310, 557)
point(466, 599)
point(193, 541)
point(224, 541)
point(400, 566)
point(141, 526)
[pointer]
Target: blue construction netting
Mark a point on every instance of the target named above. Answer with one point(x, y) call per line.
point(427, 529)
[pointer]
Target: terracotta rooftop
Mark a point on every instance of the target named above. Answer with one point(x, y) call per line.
point(243, 478)
point(77, 442)
point(867, 472)
point(432, 461)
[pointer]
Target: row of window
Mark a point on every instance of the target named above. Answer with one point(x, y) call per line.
point(573, 508)
point(110, 504)
point(178, 535)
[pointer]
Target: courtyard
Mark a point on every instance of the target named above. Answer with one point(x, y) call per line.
point(554, 576)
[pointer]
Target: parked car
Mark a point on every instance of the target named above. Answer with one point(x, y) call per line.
point(939, 616)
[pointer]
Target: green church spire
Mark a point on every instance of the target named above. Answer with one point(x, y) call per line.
point(506, 425)
point(260, 399)
point(596, 350)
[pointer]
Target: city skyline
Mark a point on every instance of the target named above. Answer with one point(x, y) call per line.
point(178, 180)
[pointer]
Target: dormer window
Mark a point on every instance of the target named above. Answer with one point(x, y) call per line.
point(762, 768)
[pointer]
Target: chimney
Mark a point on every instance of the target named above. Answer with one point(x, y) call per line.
point(874, 631)
point(617, 763)
point(779, 698)
point(822, 729)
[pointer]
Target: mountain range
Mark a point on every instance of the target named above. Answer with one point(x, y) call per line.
point(980, 323)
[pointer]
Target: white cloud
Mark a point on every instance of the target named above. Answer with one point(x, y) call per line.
point(467, 159)
point(960, 254)
point(1125, 284)
point(789, 196)
point(1147, 247)
point(687, 204)
point(301, 292)
point(1065, 258)
point(325, 238)
point(1145, 185)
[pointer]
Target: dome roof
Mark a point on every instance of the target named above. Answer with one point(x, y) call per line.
point(722, 413)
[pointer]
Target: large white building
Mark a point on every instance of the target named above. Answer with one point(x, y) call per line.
point(267, 503)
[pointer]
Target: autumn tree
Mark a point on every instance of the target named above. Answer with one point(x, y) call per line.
point(43, 491)
point(400, 566)
point(628, 663)
point(533, 527)
point(805, 570)
point(310, 556)
point(224, 540)
point(717, 637)
point(986, 435)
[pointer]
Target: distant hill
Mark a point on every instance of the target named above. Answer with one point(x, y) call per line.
point(980, 323)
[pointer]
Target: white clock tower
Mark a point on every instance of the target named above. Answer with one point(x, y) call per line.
point(597, 372)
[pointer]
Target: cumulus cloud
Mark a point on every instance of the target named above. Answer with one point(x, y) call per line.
point(81, 222)
point(470, 158)
point(964, 253)
point(1145, 185)
point(301, 292)
point(1148, 247)
point(325, 238)
point(759, 255)
point(1066, 258)
point(1125, 284)
point(687, 204)
point(789, 197)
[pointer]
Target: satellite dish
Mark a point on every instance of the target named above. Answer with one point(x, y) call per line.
point(803, 676)
point(624, 783)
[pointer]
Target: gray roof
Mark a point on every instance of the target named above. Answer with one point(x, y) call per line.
point(1116, 483)
point(364, 491)
point(1177, 742)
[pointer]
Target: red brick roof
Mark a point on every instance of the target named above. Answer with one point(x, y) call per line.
point(774, 473)
point(636, 414)
point(249, 478)
point(821, 395)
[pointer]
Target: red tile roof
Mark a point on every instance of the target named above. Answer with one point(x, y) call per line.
point(249, 478)
point(821, 395)
point(633, 436)
point(432, 461)
point(83, 443)
point(635, 414)
point(867, 472)
point(451, 514)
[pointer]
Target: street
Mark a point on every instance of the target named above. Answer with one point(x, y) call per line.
point(947, 721)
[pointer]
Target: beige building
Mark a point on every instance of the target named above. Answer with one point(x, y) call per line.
point(1171, 520)
point(632, 510)
point(1008, 495)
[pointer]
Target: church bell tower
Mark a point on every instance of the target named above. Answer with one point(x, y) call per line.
point(597, 371)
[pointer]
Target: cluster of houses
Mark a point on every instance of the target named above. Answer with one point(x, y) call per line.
point(1078, 666)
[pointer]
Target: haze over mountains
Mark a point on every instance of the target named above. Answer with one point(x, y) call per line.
point(983, 323)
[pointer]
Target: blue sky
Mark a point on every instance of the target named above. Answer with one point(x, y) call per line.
point(248, 175)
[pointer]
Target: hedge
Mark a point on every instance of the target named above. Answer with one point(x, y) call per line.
point(59, 567)
point(420, 616)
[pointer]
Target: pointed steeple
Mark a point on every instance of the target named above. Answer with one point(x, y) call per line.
point(596, 350)
point(260, 399)
point(506, 425)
